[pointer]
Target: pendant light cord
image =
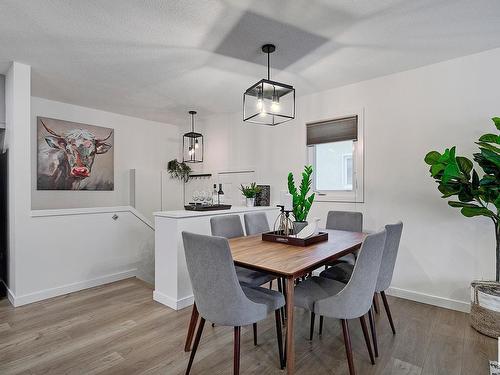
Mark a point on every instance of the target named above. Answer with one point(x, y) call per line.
point(268, 66)
point(192, 122)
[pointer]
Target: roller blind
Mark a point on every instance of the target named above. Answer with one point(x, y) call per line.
point(341, 129)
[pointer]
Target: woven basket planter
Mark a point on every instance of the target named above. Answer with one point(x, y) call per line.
point(485, 307)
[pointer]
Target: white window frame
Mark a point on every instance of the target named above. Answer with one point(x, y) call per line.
point(356, 195)
point(346, 157)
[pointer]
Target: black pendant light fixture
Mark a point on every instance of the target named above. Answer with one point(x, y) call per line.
point(192, 144)
point(269, 102)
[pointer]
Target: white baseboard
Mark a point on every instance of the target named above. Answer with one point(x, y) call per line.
point(10, 295)
point(429, 299)
point(171, 302)
point(17, 301)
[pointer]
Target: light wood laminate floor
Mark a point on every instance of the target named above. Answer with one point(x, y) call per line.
point(119, 329)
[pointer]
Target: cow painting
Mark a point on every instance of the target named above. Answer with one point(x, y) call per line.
point(73, 156)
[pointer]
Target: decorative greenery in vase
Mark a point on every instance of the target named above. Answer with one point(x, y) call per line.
point(250, 191)
point(477, 195)
point(178, 170)
point(301, 202)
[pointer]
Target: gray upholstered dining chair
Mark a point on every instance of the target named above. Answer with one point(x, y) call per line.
point(342, 272)
point(340, 220)
point(348, 221)
point(353, 300)
point(256, 223)
point(220, 297)
point(229, 226)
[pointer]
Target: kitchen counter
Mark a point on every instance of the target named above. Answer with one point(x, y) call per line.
point(182, 214)
point(172, 284)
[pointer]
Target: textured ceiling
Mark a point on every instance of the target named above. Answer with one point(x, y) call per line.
point(157, 59)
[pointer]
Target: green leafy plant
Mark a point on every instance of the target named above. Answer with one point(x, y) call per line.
point(478, 193)
point(251, 190)
point(301, 202)
point(178, 170)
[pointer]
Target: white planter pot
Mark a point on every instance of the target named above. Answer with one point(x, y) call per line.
point(250, 202)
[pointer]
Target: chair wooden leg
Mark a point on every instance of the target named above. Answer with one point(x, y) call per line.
point(348, 348)
point(388, 311)
point(375, 303)
point(279, 335)
point(321, 324)
point(373, 328)
point(255, 334)
point(367, 338)
point(191, 328)
point(195, 345)
point(237, 337)
point(311, 328)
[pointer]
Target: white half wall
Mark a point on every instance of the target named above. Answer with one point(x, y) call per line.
point(405, 115)
point(143, 145)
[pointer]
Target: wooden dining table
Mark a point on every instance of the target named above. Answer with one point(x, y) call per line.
point(292, 262)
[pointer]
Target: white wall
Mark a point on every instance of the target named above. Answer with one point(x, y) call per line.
point(144, 145)
point(2, 101)
point(405, 115)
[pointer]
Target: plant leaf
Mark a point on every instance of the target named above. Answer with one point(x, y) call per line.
point(432, 157)
point(476, 211)
point(489, 147)
point(464, 164)
point(496, 120)
point(462, 204)
point(491, 138)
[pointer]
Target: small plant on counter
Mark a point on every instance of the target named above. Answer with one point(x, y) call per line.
point(301, 202)
point(178, 170)
point(250, 191)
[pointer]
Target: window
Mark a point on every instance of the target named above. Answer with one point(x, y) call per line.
point(336, 153)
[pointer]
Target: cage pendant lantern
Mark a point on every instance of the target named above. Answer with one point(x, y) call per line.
point(192, 144)
point(269, 102)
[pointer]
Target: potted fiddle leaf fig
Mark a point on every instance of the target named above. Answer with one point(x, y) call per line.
point(249, 193)
point(301, 202)
point(477, 191)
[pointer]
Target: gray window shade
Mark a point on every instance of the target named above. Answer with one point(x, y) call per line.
point(342, 129)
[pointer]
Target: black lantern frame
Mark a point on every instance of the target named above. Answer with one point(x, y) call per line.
point(192, 144)
point(269, 102)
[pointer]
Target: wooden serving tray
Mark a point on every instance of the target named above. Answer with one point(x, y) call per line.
point(279, 237)
point(214, 207)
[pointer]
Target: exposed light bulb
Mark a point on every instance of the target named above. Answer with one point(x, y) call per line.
point(190, 152)
point(263, 113)
point(259, 104)
point(196, 144)
point(275, 106)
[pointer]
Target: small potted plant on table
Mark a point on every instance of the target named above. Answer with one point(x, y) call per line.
point(301, 202)
point(478, 195)
point(250, 192)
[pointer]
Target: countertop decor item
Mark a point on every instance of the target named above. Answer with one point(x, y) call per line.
point(477, 196)
point(179, 170)
point(283, 224)
point(310, 230)
point(294, 241)
point(192, 144)
point(263, 198)
point(250, 192)
point(301, 202)
point(207, 207)
point(269, 102)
